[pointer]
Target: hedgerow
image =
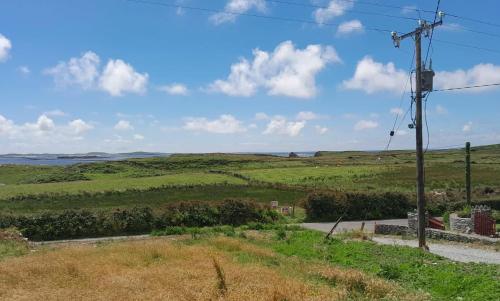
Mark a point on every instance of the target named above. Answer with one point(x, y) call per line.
point(73, 224)
point(329, 206)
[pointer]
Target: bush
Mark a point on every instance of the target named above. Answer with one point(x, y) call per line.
point(329, 206)
point(73, 224)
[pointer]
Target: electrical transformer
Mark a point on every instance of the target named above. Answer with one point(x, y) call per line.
point(427, 80)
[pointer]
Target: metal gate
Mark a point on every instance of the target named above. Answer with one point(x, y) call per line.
point(484, 224)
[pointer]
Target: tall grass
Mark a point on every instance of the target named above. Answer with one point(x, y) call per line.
point(148, 270)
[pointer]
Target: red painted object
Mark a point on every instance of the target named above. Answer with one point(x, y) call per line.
point(484, 224)
point(434, 223)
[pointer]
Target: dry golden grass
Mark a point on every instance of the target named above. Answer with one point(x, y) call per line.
point(148, 270)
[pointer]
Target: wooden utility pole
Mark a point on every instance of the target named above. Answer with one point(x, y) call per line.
point(467, 172)
point(424, 28)
point(420, 142)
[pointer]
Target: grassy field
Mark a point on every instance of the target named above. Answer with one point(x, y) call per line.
point(153, 198)
point(291, 265)
point(34, 188)
point(117, 184)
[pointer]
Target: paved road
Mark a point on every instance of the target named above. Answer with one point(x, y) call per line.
point(456, 252)
point(347, 226)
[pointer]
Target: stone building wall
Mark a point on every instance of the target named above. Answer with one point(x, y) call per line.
point(461, 224)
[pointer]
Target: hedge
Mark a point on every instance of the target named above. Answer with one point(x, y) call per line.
point(329, 206)
point(73, 224)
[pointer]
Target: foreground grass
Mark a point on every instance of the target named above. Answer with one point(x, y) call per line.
point(208, 269)
point(410, 267)
point(9, 248)
point(280, 263)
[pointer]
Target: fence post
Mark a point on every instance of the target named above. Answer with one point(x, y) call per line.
point(467, 172)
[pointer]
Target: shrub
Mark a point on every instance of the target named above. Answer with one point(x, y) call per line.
point(72, 224)
point(389, 271)
point(176, 230)
point(329, 206)
point(236, 213)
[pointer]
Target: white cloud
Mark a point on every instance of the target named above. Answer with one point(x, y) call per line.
point(279, 125)
point(225, 124)
point(123, 125)
point(81, 71)
point(441, 110)
point(286, 71)
point(175, 89)
point(480, 74)
point(334, 9)
point(79, 126)
point(408, 9)
point(353, 26)
point(261, 116)
point(397, 111)
point(43, 124)
point(401, 133)
point(467, 127)
point(371, 76)
point(234, 7)
point(44, 133)
point(365, 124)
point(6, 126)
point(321, 130)
point(451, 27)
point(55, 113)
point(307, 115)
point(24, 70)
point(5, 46)
point(138, 137)
point(119, 77)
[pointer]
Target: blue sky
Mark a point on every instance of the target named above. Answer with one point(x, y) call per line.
point(116, 75)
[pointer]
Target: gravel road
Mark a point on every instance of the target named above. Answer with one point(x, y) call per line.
point(456, 252)
point(462, 253)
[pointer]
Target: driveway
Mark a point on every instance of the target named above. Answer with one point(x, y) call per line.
point(456, 252)
point(355, 225)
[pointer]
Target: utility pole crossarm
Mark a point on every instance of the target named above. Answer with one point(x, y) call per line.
point(424, 27)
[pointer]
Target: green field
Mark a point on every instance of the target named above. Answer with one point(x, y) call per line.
point(156, 181)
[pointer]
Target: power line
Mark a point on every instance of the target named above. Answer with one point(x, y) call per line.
point(432, 33)
point(473, 20)
point(426, 123)
point(210, 10)
point(467, 87)
point(408, 79)
point(348, 11)
point(480, 32)
point(467, 46)
point(407, 8)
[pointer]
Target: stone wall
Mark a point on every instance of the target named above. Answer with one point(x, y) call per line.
point(413, 221)
point(435, 234)
point(461, 224)
point(451, 236)
point(390, 229)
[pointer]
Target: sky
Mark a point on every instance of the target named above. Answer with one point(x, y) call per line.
point(209, 76)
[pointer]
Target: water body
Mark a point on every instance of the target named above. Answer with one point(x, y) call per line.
point(69, 159)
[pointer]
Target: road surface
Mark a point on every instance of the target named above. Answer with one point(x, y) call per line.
point(456, 252)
